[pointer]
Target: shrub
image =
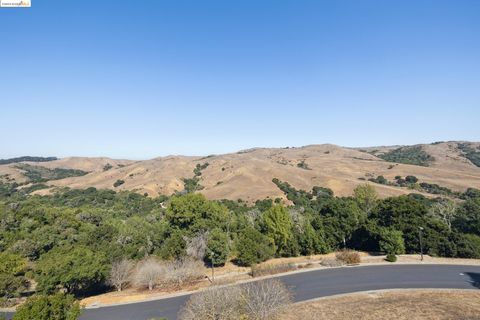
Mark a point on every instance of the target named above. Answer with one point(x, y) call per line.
point(253, 247)
point(217, 246)
point(391, 257)
point(219, 303)
point(259, 271)
point(118, 183)
point(348, 257)
point(257, 300)
point(265, 299)
point(56, 307)
point(391, 241)
point(328, 262)
point(411, 179)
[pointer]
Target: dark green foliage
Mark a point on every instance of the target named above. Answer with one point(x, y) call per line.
point(193, 184)
point(173, 246)
point(340, 217)
point(218, 246)
point(299, 197)
point(470, 153)
point(391, 241)
point(379, 180)
point(118, 183)
point(468, 246)
point(37, 174)
point(408, 155)
point(107, 167)
point(468, 220)
point(55, 307)
point(471, 193)
point(436, 189)
point(253, 247)
point(193, 212)
point(27, 158)
point(199, 167)
point(411, 179)
point(77, 269)
point(12, 275)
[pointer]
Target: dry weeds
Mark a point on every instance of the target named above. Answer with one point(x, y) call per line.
point(392, 305)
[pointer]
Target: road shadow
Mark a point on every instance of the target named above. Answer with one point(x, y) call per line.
point(474, 278)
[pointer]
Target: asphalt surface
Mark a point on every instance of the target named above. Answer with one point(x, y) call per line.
point(319, 283)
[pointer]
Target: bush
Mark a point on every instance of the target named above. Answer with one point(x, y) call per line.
point(411, 179)
point(217, 246)
point(76, 269)
point(348, 257)
point(391, 257)
point(257, 300)
point(56, 307)
point(391, 241)
point(260, 271)
point(331, 262)
point(253, 247)
point(118, 183)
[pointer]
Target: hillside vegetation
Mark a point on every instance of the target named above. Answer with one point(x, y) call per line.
point(408, 155)
point(248, 174)
point(27, 158)
point(79, 241)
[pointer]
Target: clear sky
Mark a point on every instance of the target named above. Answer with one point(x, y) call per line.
point(139, 79)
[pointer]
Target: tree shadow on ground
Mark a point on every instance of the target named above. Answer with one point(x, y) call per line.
point(474, 278)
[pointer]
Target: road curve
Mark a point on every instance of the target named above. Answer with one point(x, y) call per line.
point(319, 283)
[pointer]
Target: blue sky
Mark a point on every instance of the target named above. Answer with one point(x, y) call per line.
point(139, 79)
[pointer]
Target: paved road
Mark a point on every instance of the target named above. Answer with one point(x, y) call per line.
point(320, 283)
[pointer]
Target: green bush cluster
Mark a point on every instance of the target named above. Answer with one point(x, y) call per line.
point(408, 155)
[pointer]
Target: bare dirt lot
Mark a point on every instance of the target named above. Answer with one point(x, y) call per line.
point(397, 305)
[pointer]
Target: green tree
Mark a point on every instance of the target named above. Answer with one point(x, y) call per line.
point(193, 212)
point(366, 197)
point(253, 247)
point(391, 241)
point(12, 275)
point(55, 307)
point(77, 269)
point(278, 226)
point(217, 245)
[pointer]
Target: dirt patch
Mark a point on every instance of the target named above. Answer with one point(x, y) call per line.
point(397, 305)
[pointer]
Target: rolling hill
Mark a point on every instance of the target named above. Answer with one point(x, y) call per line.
point(248, 174)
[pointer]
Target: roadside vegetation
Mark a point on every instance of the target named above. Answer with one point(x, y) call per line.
point(84, 242)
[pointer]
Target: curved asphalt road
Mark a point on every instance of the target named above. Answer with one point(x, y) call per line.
point(319, 283)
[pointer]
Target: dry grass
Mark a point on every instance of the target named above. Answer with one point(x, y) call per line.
point(393, 305)
point(248, 175)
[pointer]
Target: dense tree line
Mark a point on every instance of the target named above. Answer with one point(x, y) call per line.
point(69, 241)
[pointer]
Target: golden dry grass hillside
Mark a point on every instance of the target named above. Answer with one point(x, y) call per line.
point(248, 174)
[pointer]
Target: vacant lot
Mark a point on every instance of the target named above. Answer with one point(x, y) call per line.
point(404, 304)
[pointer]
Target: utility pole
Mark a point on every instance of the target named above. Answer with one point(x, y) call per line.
point(421, 243)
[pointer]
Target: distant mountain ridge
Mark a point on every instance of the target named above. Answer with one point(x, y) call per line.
point(248, 174)
point(27, 158)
